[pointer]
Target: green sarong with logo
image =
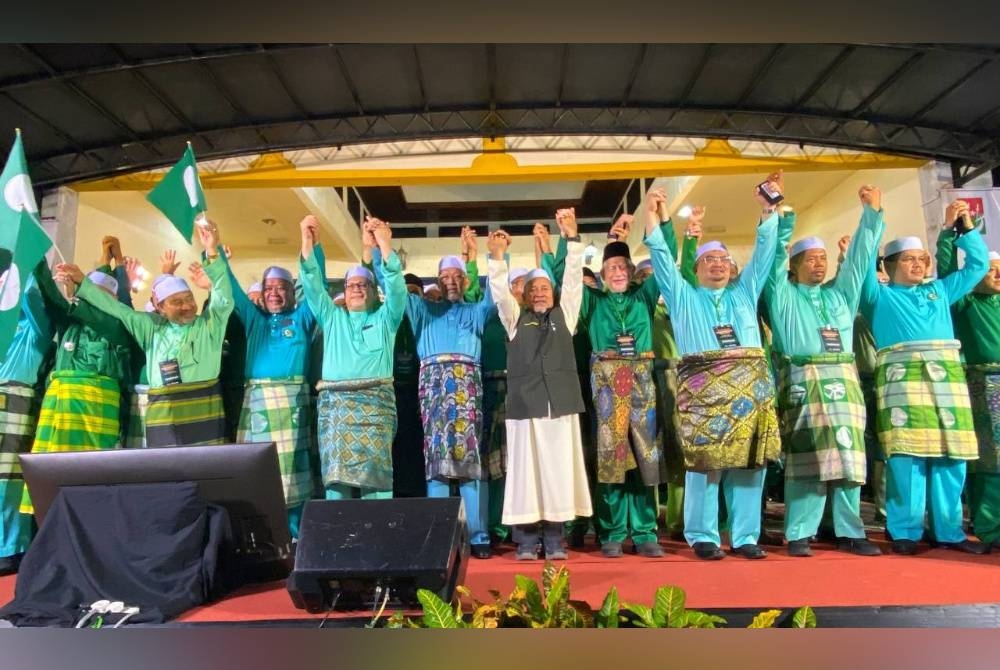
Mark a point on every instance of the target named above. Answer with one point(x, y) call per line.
point(823, 415)
point(923, 401)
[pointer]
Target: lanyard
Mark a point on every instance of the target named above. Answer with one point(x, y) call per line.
point(617, 312)
point(821, 308)
point(717, 299)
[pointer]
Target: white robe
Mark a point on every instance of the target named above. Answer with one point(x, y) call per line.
point(546, 476)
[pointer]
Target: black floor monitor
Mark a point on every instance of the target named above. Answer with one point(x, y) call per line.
point(243, 478)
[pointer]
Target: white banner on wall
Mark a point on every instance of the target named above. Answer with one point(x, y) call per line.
point(984, 204)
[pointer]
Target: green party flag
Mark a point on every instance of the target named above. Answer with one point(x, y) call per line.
point(179, 195)
point(23, 243)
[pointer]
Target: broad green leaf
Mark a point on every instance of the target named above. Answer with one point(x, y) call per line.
point(644, 613)
point(556, 597)
point(579, 613)
point(668, 607)
point(437, 613)
point(765, 619)
point(532, 597)
point(804, 617)
point(607, 617)
point(696, 619)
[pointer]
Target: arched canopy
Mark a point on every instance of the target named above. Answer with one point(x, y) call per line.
point(96, 110)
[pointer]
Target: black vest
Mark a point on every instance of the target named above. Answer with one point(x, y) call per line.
point(541, 368)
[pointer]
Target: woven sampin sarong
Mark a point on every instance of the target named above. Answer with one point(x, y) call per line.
point(725, 406)
point(185, 415)
point(494, 428)
point(18, 416)
point(135, 434)
point(279, 411)
point(357, 423)
point(80, 412)
point(451, 409)
point(625, 403)
point(923, 401)
point(822, 418)
point(984, 391)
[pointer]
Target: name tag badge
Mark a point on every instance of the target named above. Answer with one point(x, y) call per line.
point(830, 338)
point(626, 344)
point(170, 372)
point(726, 336)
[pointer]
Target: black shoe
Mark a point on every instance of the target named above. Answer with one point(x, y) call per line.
point(612, 549)
point(481, 551)
point(751, 551)
point(648, 549)
point(967, 546)
point(799, 548)
point(904, 547)
point(576, 537)
point(708, 551)
point(10, 564)
point(859, 546)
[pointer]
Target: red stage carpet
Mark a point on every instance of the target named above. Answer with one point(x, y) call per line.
point(829, 579)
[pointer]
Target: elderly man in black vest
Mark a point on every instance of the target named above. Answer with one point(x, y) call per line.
point(546, 477)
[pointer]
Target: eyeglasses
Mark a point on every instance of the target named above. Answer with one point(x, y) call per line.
point(914, 259)
point(356, 285)
point(717, 259)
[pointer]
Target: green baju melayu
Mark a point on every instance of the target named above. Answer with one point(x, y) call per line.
point(821, 403)
point(189, 412)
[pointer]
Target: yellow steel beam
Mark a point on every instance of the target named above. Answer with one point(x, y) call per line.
point(495, 166)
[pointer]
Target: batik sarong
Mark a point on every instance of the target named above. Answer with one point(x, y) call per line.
point(822, 418)
point(984, 391)
point(494, 415)
point(80, 412)
point(923, 401)
point(357, 422)
point(451, 410)
point(725, 406)
point(278, 410)
point(625, 403)
point(189, 414)
point(135, 434)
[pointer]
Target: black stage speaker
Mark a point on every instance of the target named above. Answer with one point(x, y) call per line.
point(352, 552)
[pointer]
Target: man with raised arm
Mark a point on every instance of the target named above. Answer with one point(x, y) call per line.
point(183, 348)
point(83, 405)
point(546, 477)
point(449, 342)
point(357, 403)
point(21, 372)
point(820, 397)
point(629, 460)
point(977, 326)
point(277, 405)
point(924, 418)
point(725, 397)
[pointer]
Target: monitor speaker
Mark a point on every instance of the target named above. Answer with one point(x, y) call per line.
point(355, 553)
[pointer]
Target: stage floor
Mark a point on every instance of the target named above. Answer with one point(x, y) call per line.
point(936, 577)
